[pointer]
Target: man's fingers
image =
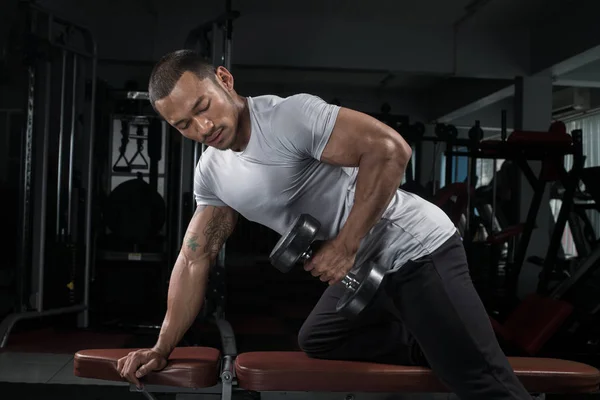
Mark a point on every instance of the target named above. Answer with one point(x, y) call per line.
point(144, 369)
point(124, 367)
point(120, 364)
point(131, 378)
point(131, 367)
point(326, 276)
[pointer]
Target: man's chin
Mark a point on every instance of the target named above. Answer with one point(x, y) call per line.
point(221, 146)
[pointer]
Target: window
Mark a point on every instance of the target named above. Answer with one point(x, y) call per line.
point(460, 165)
point(590, 127)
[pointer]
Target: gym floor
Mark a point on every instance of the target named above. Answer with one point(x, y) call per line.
point(39, 363)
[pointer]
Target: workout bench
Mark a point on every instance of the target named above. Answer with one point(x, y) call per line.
point(205, 370)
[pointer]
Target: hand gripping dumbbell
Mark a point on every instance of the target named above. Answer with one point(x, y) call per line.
point(362, 283)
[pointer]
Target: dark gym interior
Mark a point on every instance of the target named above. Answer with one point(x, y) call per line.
point(498, 99)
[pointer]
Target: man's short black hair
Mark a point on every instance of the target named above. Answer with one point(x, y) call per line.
point(169, 69)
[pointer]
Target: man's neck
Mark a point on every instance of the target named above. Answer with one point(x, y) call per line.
point(244, 127)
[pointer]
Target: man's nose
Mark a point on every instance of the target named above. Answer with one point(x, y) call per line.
point(204, 126)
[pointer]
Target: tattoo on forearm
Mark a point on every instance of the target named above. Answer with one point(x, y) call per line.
point(192, 242)
point(217, 230)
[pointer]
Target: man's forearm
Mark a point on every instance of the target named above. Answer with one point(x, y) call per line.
point(186, 295)
point(379, 176)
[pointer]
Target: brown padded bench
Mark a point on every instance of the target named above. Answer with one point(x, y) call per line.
point(199, 367)
point(294, 371)
point(188, 367)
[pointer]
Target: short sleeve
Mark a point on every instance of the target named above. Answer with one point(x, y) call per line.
point(203, 194)
point(303, 124)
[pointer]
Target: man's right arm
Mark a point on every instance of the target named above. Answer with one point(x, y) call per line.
point(206, 233)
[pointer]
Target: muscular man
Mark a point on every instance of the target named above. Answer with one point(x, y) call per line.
point(270, 159)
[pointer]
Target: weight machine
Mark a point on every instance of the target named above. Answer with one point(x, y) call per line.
point(132, 234)
point(521, 147)
point(55, 215)
point(135, 210)
point(540, 316)
point(582, 230)
point(565, 317)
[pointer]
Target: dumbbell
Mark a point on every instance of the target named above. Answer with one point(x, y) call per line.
point(294, 246)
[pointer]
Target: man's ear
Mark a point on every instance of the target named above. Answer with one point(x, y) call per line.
point(224, 78)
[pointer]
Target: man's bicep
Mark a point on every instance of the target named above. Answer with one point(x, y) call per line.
point(208, 230)
point(355, 134)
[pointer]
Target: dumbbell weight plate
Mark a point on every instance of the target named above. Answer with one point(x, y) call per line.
point(294, 242)
point(353, 302)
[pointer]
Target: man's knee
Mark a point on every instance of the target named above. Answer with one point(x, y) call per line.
point(307, 341)
point(317, 344)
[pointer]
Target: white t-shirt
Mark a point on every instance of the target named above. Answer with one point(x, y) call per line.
point(280, 176)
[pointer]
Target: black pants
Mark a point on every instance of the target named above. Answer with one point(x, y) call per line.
point(428, 314)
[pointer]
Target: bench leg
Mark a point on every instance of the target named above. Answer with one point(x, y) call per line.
point(227, 390)
point(146, 394)
point(227, 375)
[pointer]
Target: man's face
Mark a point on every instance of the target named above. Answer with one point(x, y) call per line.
point(202, 110)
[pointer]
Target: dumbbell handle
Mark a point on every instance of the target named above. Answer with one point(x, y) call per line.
point(306, 255)
point(348, 281)
point(351, 283)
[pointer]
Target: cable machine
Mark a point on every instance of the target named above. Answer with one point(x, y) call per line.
point(55, 215)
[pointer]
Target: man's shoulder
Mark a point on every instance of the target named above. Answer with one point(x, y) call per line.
point(208, 160)
point(274, 103)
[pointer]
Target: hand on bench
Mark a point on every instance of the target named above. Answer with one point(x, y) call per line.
point(138, 363)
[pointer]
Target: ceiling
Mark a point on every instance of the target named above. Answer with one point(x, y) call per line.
point(438, 12)
point(423, 11)
point(331, 77)
point(519, 13)
point(434, 12)
point(484, 13)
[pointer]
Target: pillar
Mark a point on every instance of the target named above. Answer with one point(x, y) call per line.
point(533, 112)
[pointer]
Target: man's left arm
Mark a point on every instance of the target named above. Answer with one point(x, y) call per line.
point(381, 155)
point(307, 126)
